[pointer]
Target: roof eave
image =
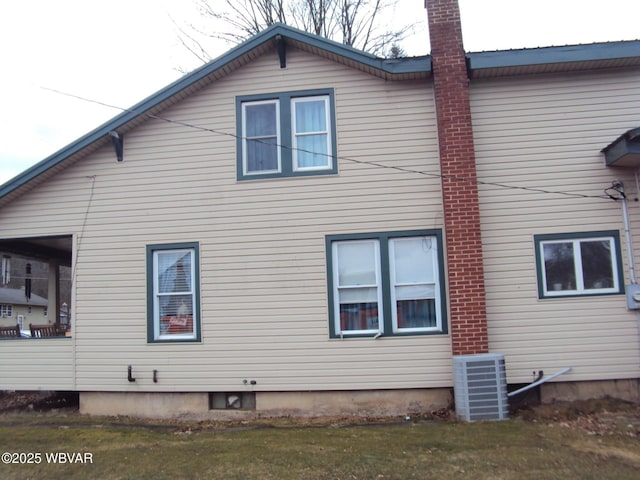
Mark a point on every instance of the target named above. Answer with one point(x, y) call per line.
point(554, 59)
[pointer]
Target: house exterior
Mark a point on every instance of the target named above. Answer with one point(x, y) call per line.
point(18, 309)
point(301, 228)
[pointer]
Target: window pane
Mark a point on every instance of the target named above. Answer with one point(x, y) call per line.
point(559, 266)
point(597, 268)
point(174, 272)
point(310, 116)
point(408, 292)
point(312, 151)
point(359, 316)
point(413, 259)
point(416, 313)
point(356, 263)
point(262, 155)
point(261, 120)
point(176, 314)
point(358, 295)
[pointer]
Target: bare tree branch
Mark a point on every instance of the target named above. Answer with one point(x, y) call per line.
point(357, 23)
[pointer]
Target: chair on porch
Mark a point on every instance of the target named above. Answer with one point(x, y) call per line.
point(42, 331)
point(10, 332)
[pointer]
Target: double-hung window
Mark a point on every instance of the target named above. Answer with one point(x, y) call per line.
point(386, 284)
point(578, 264)
point(286, 134)
point(261, 134)
point(173, 293)
point(6, 311)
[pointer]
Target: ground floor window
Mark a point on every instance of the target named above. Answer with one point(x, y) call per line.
point(578, 264)
point(173, 293)
point(386, 283)
point(6, 311)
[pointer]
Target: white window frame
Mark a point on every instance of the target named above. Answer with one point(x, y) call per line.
point(6, 310)
point(157, 295)
point(246, 138)
point(337, 288)
point(579, 289)
point(435, 284)
point(295, 135)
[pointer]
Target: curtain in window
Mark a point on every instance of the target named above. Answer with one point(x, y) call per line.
point(414, 277)
point(261, 137)
point(311, 133)
point(175, 292)
point(357, 285)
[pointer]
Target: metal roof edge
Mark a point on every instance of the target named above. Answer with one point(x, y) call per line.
point(632, 134)
point(553, 55)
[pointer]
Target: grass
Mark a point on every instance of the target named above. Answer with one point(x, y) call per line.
point(127, 449)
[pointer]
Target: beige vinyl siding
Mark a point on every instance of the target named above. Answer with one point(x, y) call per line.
point(36, 364)
point(546, 132)
point(261, 242)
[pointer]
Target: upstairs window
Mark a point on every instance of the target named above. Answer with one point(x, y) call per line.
point(261, 134)
point(578, 264)
point(286, 134)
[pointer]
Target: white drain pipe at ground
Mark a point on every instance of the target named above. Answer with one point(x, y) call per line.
point(539, 382)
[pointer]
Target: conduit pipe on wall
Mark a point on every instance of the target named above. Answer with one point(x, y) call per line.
point(539, 382)
point(617, 184)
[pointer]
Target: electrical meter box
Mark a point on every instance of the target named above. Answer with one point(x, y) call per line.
point(633, 297)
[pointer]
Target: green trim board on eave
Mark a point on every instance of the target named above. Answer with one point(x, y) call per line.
point(554, 55)
point(628, 51)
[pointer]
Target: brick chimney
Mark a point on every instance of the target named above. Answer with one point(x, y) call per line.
point(468, 320)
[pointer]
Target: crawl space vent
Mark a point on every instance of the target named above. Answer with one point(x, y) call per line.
point(480, 387)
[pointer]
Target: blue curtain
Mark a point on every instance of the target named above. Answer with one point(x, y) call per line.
point(261, 137)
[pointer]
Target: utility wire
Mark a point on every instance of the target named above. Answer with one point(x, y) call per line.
point(352, 160)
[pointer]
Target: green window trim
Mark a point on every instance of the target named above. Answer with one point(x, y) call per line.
point(286, 137)
point(388, 326)
point(574, 282)
point(190, 320)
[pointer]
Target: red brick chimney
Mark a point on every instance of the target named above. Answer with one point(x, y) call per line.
point(468, 321)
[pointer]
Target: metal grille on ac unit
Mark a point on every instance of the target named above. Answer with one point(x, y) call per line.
point(480, 387)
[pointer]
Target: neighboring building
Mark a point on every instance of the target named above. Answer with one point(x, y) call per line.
point(18, 309)
point(298, 227)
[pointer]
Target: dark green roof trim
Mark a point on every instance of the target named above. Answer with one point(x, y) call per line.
point(624, 151)
point(544, 55)
point(499, 61)
point(553, 55)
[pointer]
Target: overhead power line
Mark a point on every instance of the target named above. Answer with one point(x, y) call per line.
point(339, 157)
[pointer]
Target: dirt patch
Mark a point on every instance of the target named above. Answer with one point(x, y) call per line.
point(37, 401)
point(607, 416)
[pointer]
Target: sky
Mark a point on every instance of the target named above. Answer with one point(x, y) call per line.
point(120, 52)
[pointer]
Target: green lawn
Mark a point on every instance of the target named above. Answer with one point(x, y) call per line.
point(128, 449)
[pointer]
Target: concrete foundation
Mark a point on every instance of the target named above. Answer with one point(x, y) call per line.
point(628, 390)
point(379, 403)
point(365, 403)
